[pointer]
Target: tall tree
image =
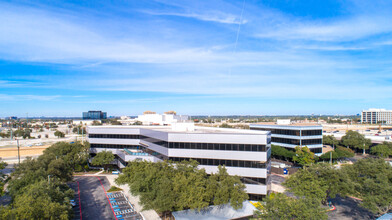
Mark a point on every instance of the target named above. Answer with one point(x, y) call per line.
point(103, 158)
point(372, 181)
point(281, 207)
point(303, 156)
point(382, 150)
point(319, 181)
point(330, 140)
point(354, 139)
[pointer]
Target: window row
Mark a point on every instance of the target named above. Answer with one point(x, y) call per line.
point(253, 180)
point(117, 146)
point(286, 141)
point(117, 136)
point(290, 132)
point(212, 146)
point(311, 141)
point(228, 163)
point(316, 150)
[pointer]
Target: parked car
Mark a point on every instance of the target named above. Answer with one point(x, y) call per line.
point(72, 202)
point(116, 172)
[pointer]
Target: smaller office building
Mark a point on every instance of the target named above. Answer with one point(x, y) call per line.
point(94, 115)
point(292, 135)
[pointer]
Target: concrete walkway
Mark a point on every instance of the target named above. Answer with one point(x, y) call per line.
point(147, 214)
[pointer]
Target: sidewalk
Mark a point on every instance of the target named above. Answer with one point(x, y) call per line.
point(147, 214)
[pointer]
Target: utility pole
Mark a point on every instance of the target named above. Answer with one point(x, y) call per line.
point(17, 144)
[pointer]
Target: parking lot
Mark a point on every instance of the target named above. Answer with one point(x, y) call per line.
point(96, 204)
point(122, 207)
point(93, 204)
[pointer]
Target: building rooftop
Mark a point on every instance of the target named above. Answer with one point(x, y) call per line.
point(292, 124)
point(197, 129)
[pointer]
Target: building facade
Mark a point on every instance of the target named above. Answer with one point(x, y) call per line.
point(290, 136)
point(244, 153)
point(94, 115)
point(376, 116)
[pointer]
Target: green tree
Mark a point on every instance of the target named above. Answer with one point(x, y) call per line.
point(354, 139)
point(225, 125)
point(40, 201)
point(59, 134)
point(330, 140)
point(382, 150)
point(281, 207)
point(103, 158)
point(3, 177)
point(344, 152)
point(303, 156)
point(319, 181)
point(372, 181)
point(221, 185)
point(281, 153)
point(79, 129)
point(168, 186)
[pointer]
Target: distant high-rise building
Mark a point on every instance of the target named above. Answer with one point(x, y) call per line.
point(375, 116)
point(94, 115)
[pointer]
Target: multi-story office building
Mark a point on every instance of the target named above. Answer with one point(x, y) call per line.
point(375, 116)
point(292, 135)
point(94, 115)
point(244, 153)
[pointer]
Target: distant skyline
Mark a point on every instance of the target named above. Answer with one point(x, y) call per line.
point(269, 57)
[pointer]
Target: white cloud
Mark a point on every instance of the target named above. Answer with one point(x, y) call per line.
point(214, 16)
point(6, 97)
point(339, 30)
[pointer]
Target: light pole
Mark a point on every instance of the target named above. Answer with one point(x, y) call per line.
point(17, 144)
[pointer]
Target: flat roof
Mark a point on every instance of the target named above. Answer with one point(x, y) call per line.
point(197, 129)
point(294, 125)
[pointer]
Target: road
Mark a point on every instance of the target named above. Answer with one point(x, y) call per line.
point(347, 209)
point(94, 203)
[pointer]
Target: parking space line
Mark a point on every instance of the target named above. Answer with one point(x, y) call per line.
point(80, 204)
point(107, 197)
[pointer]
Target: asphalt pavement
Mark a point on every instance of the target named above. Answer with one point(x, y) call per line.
point(94, 203)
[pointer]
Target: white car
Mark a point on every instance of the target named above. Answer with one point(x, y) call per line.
point(38, 144)
point(72, 202)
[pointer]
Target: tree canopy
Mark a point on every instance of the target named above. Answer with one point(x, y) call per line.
point(33, 197)
point(330, 140)
point(281, 207)
point(354, 139)
point(59, 134)
point(319, 181)
point(103, 158)
point(168, 186)
point(382, 150)
point(372, 181)
point(281, 152)
point(303, 156)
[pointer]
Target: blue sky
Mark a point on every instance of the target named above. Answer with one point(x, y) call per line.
point(196, 57)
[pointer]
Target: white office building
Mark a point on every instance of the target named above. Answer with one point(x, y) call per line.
point(245, 153)
point(293, 135)
point(375, 116)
